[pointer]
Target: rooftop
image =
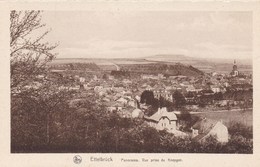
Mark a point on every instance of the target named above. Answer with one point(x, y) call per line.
point(162, 112)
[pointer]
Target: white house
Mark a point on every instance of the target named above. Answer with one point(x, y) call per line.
point(215, 88)
point(98, 88)
point(162, 119)
point(207, 127)
point(122, 100)
point(190, 88)
point(82, 79)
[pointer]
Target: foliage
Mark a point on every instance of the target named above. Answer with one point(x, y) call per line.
point(147, 97)
point(238, 95)
point(92, 129)
point(238, 129)
point(120, 74)
point(178, 99)
point(165, 69)
point(29, 54)
point(218, 96)
point(36, 93)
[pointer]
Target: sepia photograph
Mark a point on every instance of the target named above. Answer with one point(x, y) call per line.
point(131, 81)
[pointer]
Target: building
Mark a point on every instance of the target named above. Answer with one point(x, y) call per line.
point(205, 128)
point(162, 119)
point(234, 71)
point(167, 95)
point(215, 88)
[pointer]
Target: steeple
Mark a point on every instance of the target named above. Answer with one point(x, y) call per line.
point(234, 66)
point(234, 71)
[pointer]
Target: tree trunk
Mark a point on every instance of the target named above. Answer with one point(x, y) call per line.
point(116, 139)
point(48, 129)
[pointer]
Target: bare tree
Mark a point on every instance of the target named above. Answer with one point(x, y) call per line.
point(29, 54)
point(35, 92)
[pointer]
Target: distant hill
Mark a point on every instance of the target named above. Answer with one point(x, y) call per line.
point(172, 58)
point(74, 66)
point(163, 68)
point(202, 64)
point(205, 64)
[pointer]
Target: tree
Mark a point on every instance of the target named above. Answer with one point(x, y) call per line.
point(36, 93)
point(147, 97)
point(178, 99)
point(218, 96)
point(29, 54)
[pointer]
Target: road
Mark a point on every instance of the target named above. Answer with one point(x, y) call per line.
point(117, 67)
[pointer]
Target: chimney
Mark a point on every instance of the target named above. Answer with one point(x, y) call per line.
point(159, 111)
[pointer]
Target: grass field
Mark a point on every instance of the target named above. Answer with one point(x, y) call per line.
point(201, 64)
point(243, 117)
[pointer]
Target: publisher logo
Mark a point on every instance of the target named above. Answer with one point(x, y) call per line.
point(77, 159)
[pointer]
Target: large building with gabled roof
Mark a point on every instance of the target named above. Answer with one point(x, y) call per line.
point(163, 119)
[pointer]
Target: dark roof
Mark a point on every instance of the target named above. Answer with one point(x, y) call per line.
point(162, 113)
point(204, 126)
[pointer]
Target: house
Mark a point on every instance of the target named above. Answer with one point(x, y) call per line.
point(114, 106)
point(122, 100)
point(162, 119)
point(138, 98)
point(235, 71)
point(82, 79)
point(111, 77)
point(215, 88)
point(208, 127)
point(98, 88)
point(132, 103)
point(198, 88)
point(222, 103)
point(190, 88)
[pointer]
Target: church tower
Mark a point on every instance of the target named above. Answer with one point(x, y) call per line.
point(234, 71)
point(235, 66)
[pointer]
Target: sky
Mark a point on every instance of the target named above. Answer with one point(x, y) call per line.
point(137, 34)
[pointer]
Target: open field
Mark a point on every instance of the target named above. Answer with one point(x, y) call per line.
point(100, 61)
point(202, 64)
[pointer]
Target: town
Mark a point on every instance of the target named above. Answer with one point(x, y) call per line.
point(104, 84)
point(165, 96)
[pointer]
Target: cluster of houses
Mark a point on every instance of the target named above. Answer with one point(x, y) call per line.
point(122, 95)
point(201, 130)
point(127, 104)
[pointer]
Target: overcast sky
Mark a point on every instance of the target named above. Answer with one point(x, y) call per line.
point(140, 34)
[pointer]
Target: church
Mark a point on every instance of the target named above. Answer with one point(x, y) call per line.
point(235, 71)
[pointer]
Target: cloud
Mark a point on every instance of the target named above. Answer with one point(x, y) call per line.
point(139, 33)
point(97, 48)
point(117, 49)
point(103, 48)
point(217, 22)
point(211, 50)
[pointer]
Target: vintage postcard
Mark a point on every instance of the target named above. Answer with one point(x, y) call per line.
point(130, 83)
